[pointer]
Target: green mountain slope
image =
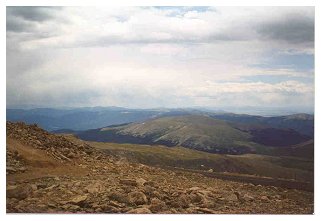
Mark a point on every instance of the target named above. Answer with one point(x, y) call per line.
point(198, 132)
point(192, 131)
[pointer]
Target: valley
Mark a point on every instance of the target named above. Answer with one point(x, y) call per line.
point(290, 168)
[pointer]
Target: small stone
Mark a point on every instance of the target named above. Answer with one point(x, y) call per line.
point(89, 151)
point(22, 169)
point(238, 196)
point(115, 204)
point(73, 207)
point(34, 187)
point(264, 198)
point(278, 197)
point(148, 190)
point(206, 210)
point(51, 205)
point(79, 199)
point(140, 181)
point(94, 187)
point(247, 197)
point(150, 183)
point(11, 170)
point(71, 155)
point(77, 184)
point(195, 188)
point(109, 209)
point(51, 187)
point(98, 210)
point(129, 182)
point(42, 185)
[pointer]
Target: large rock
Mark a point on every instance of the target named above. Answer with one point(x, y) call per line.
point(109, 209)
point(196, 198)
point(137, 198)
point(231, 197)
point(19, 192)
point(181, 202)
point(118, 196)
point(157, 205)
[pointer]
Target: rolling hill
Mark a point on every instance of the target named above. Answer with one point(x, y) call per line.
point(200, 133)
point(302, 123)
point(303, 150)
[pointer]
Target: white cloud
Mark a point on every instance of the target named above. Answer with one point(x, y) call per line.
point(77, 26)
point(145, 57)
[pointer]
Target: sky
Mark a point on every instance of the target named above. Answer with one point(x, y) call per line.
point(148, 57)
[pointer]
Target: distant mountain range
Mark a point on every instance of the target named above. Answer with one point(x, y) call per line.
point(96, 117)
point(215, 132)
point(79, 118)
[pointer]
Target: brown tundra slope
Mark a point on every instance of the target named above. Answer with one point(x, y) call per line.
point(47, 173)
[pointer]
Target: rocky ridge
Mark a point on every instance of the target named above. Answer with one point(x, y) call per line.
point(84, 180)
point(56, 146)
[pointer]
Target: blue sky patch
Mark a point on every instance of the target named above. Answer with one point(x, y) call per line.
point(298, 62)
point(274, 79)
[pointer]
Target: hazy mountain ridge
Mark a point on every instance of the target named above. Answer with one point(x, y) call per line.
point(217, 132)
point(303, 123)
point(97, 117)
point(79, 118)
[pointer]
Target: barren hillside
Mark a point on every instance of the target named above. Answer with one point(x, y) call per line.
point(47, 173)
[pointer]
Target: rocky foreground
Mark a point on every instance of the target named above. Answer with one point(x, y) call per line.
point(47, 173)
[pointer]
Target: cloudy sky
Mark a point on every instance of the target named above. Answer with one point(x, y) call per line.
point(160, 56)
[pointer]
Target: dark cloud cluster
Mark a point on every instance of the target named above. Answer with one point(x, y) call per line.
point(23, 19)
point(33, 13)
point(295, 28)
